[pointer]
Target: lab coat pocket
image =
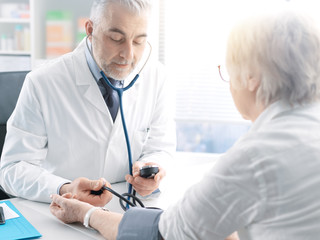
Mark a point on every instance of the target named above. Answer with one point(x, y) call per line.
point(139, 140)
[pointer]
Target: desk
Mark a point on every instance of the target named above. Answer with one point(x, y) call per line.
point(39, 215)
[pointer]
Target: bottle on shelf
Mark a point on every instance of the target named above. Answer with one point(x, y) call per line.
point(17, 41)
point(7, 43)
point(3, 45)
point(10, 43)
point(19, 38)
point(26, 38)
point(59, 33)
point(14, 10)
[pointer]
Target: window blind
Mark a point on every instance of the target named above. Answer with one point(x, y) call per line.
point(192, 43)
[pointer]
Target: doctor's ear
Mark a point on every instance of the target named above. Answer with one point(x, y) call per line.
point(89, 28)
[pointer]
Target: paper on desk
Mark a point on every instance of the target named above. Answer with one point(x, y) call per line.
point(8, 212)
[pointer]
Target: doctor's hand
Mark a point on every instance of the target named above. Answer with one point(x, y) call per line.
point(81, 189)
point(145, 186)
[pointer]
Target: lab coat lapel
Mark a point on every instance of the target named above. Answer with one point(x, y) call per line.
point(129, 98)
point(93, 95)
point(86, 82)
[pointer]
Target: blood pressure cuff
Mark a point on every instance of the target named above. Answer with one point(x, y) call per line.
point(140, 224)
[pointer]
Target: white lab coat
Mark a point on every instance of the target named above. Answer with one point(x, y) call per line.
point(61, 128)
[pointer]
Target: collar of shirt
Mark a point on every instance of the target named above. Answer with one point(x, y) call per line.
point(269, 113)
point(273, 110)
point(94, 69)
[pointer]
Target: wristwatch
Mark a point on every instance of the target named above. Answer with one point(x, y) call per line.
point(86, 219)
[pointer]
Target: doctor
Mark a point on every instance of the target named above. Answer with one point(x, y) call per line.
point(62, 133)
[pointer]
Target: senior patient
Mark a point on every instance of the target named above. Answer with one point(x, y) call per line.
point(269, 181)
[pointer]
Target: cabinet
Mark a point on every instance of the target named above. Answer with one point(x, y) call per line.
point(58, 26)
point(30, 30)
point(15, 35)
point(15, 27)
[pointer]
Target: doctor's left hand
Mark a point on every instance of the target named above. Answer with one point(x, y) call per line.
point(81, 189)
point(144, 186)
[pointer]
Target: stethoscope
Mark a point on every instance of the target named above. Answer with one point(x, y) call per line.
point(120, 93)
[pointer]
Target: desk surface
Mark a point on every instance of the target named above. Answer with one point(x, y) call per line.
point(39, 215)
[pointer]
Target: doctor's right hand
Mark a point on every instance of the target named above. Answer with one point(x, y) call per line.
point(81, 189)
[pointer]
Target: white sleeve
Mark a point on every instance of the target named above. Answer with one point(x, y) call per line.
point(226, 199)
point(25, 150)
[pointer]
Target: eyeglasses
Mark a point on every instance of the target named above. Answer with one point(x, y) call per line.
point(221, 72)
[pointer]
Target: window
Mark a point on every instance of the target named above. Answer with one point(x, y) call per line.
point(192, 44)
point(195, 34)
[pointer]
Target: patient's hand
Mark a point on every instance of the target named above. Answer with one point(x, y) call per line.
point(67, 209)
point(233, 236)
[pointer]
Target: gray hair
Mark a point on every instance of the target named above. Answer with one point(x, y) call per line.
point(284, 51)
point(99, 6)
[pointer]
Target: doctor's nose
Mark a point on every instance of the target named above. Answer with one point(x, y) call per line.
point(127, 51)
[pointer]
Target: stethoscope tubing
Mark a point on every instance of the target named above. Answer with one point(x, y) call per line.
point(122, 198)
point(120, 93)
point(124, 125)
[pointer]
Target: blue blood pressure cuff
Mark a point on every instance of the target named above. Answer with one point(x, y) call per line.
point(140, 224)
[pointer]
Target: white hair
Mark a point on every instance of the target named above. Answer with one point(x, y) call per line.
point(283, 50)
point(99, 6)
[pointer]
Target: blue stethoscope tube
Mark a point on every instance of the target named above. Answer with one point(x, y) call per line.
point(120, 93)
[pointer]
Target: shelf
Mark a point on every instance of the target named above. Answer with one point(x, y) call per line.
point(15, 53)
point(34, 26)
point(14, 20)
point(15, 63)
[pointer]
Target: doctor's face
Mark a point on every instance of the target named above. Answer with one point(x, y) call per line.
point(119, 40)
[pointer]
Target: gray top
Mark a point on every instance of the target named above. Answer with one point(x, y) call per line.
point(140, 224)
